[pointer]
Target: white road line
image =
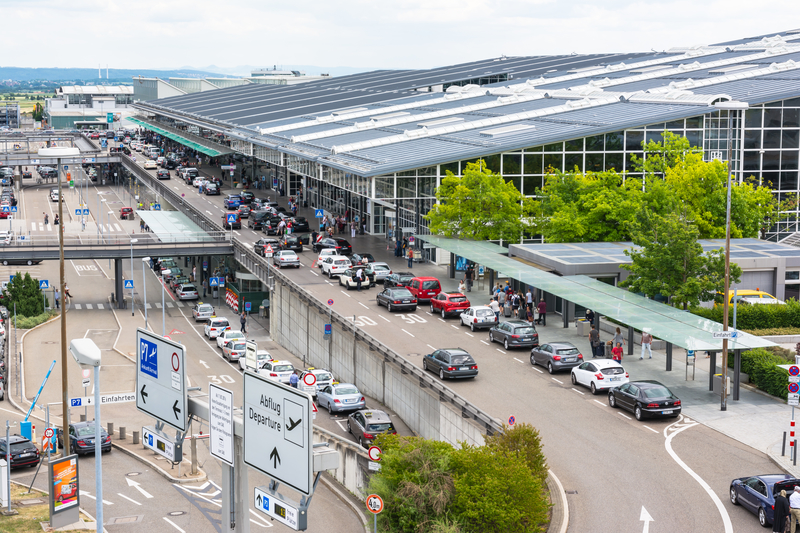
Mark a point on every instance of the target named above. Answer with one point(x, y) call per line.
point(148, 306)
point(601, 403)
point(84, 493)
point(158, 305)
point(431, 347)
point(499, 350)
point(77, 306)
point(431, 314)
point(557, 380)
point(89, 306)
point(346, 294)
point(100, 306)
point(626, 416)
point(237, 233)
point(523, 362)
point(117, 226)
point(539, 371)
point(651, 429)
point(315, 273)
point(439, 319)
point(452, 326)
point(470, 334)
point(129, 499)
point(383, 317)
point(579, 392)
point(170, 305)
point(486, 343)
point(362, 305)
point(210, 213)
point(408, 333)
point(173, 524)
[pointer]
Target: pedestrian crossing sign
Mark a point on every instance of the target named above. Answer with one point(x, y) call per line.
point(231, 218)
point(86, 212)
point(213, 282)
point(78, 212)
point(156, 207)
point(13, 209)
point(6, 209)
point(128, 283)
point(44, 284)
point(318, 213)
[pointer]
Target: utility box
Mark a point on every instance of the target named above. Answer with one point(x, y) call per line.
point(718, 384)
point(3, 484)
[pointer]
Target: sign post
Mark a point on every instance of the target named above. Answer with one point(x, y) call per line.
point(251, 355)
point(375, 506)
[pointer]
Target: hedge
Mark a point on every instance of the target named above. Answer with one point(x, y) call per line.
point(28, 322)
point(761, 366)
point(751, 317)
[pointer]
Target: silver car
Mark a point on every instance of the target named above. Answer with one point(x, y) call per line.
point(381, 271)
point(556, 356)
point(286, 258)
point(341, 397)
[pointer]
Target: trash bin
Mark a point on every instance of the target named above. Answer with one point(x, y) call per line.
point(607, 348)
point(583, 327)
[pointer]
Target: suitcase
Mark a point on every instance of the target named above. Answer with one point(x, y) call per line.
point(506, 310)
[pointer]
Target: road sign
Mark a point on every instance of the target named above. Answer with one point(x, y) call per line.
point(128, 284)
point(279, 510)
point(268, 249)
point(120, 397)
point(330, 301)
point(318, 213)
point(374, 503)
point(44, 284)
point(13, 209)
point(794, 370)
point(794, 387)
point(228, 167)
point(85, 211)
point(110, 117)
point(205, 265)
point(161, 379)
point(310, 379)
point(247, 306)
point(374, 453)
point(6, 209)
point(231, 218)
point(251, 355)
point(725, 334)
point(512, 420)
point(220, 423)
point(78, 212)
point(162, 444)
point(274, 183)
point(794, 399)
point(279, 417)
point(86, 382)
point(328, 329)
point(156, 207)
point(794, 379)
point(221, 281)
point(213, 282)
point(48, 433)
point(66, 167)
point(231, 173)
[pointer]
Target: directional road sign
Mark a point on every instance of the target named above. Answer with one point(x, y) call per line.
point(128, 284)
point(725, 334)
point(220, 423)
point(120, 397)
point(277, 431)
point(44, 284)
point(227, 167)
point(318, 213)
point(279, 510)
point(161, 379)
point(231, 218)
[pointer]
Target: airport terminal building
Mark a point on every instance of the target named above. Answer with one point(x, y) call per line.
point(379, 143)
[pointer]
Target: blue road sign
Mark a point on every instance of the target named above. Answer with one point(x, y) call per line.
point(221, 281)
point(318, 213)
point(274, 183)
point(85, 211)
point(328, 329)
point(128, 283)
point(44, 284)
point(213, 282)
point(78, 212)
point(205, 265)
point(75, 402)
point(6, 209)
point(11, 277)
point(156, 207)
point(231, 218)
point(13, 209)
point(149, 359)
point(66, 167)
point(247, 306)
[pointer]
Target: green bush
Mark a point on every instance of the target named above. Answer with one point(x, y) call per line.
point(749, 317)
point(762, 367)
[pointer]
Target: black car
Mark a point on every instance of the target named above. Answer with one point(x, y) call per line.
point(257, 218)
point(451, 363)
point(645, 399)
point(211, 190)
point(81, 438)
point(397, 298)
point(270, 225)
point(162, 174)
point(290, 242)
point(27, 175)
point(514, 334)
point(170, 164)
point(362, 259)
point(247, 197)
point(398, 279)
point(339, 244)
point(23, 451)
point(260, 244)
point(300, 224)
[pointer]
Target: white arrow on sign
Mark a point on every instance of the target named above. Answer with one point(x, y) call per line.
point(134, 484)
point(645, 516)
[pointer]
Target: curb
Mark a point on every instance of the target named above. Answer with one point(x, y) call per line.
point(339, 494)
point(160, 470)
point(560, 505)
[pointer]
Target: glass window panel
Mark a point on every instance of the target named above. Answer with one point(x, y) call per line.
point(556, 147)
point(752, 139)
point(789, 160)
point(426, 171)
point(655, 136)
point(533, 164)
point(465, 163)
point(657, 127)
point(773, 104)
point(633, 140)
point(695, 138)
point(770, 179)
point(790, 139)
point(408, 173)
point(427, 186)
point(534, 149)
point(512, 164)
point(694, 122)
point(752, 160)
point(628, 164)
point(752, 118)
point(530, 184)
point(614, 141)
point(554, 161)
point(517, 181)
point(772, 139)
point(792, 102)
point(614, 161)
point(771, 160)
point(791, 118)
point(384, 187)
point(675, 125)
point(493, 162)
point(575, 145)
point(406, 187)
point(789, 181)
point(573, 160)
point(594, 162)
point(595, 143)
point(452, 167)
point(772, 118)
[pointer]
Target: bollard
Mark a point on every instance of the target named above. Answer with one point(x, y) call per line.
point(83, 418)
point(783, 446)
point(136, 437)
point(122, 433)
point(194, 455)
point(111, 429)
point(795, 452)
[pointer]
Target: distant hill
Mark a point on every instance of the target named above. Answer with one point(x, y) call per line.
point(90, 74)
point(311, 70)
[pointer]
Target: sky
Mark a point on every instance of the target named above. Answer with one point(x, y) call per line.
point(362, 34)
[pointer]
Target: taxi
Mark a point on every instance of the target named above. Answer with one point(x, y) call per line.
point(202, 311)
point(234, 350)
point(228, 335)
point(324, 378)
point(277, 370)
point(215, 326)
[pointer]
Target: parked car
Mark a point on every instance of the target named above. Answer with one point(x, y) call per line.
point(81, 438)
point(450, 363)
point(397, 299)
point(325, 252)
point(23, 452)
point(514, 334)
point(215, 326)
point(556, 356)
point(150, 165)
point(478, 317)
point(257, 219)
point(291, 242)
point(211, 190)
point(202, 312)
point(341, 397)
point(246, 197)
point(365, 425)
point(449, 304)
point(260, 246)
point(398, 279)
point(348, 278)
point(236, 224)
point(300, 224)
point(277, 370)
point(286, 258)
point(126, 213)
point(379, 272)
point(757, 494)
point(337, 243)
point(335, 265)
point(599, 374)
point(228, 335)
point(244, 211)
point(162, 174)
point(232, 201)
point(187, 291)
point(424, 287)
point(645, 399)
point(362, 259)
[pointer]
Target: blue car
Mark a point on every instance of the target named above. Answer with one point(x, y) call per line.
point(232, 201)
point(757, 493)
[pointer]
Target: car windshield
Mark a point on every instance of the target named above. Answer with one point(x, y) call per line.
point(484, 312)
point(324, 376)
point(461, 359)
point(525, 330)
point(657, 392)
point(458, 299)
point(381, 427)
point(85, 431)
point(433, 284)
point(283, 368)
point(568, 351)
point(345, 390)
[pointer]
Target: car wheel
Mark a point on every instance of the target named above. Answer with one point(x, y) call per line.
point(637, 412)
point(550, 368)
point(444, 315)
point(533, 360)
point(505, 344)
point(424, 365)
point(360, 442)
point(389, 307)
point(762, 517)
point(491, 337)
point(349, 430)
point(574, 379)
point(734, 497)
point(30, 262)
point(612, 401)
point(593, 388)
point(5, 263)
point(441, 374)
point(472, 326)
point(413, 309)
point(432, 311)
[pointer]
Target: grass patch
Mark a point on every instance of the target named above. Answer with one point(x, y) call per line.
point(29, 517)
point(773, 331)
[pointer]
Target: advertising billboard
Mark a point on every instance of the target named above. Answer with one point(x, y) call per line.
point(64, 484)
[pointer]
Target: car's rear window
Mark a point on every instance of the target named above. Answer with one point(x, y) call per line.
point(85, 431)
point(188, 288)
point(379, 267)
point(657, 392)
point(346, 390)
point(405, 293)
point(283, 368)
point(525, 330)
point(484, 312)
point(458, 299)
point(461, 360)
point(612, 371)
point(381, 427)
point(324, 376)
point(17, 447)
point(238, 346)
point(205, 308)
point(568, 351)
point(340, 263)
point(220, 324)
point(232, 334)
point(430, 285)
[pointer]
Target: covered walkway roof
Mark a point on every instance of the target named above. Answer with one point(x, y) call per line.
point(196, 145)
point(662, 321)
point(174, 226)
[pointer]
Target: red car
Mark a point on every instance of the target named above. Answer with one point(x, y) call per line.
point(449, 303)
point(424, 288)
point(126, 213)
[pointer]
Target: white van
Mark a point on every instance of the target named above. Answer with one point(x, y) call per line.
point(154, 153)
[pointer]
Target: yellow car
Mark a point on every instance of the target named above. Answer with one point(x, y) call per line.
point(150, 164)
point(753, 297)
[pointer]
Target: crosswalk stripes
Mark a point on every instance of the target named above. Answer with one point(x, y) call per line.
point(179, 304)
point(158, 306)
point(148, 306)
point(89, 306)
point(77, 306)
point(170, 305)
point(100, 306)
point(117, 226)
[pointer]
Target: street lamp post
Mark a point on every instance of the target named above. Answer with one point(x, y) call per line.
point(58, 153)
point(730, 107)
point(133, 306)
point(145, 260)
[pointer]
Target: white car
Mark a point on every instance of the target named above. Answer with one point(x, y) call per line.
point(6, 237)
point(277, 370)
point(286, 258)
point(233, 350)
point(2, 332)
point(197, 181)
point(324, 378)
point(478, 317)
point(54, 195)
point(202, 311)
point(599, 374)
point(325, 252)
point(150, 164)
point(227, 336)
point(334, 265)
point(262, 356)
point(348, 278)
point(187, 291)
point(215, 326)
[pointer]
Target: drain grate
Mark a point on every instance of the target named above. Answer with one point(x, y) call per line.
point(132, 474)
point(176, 513)
point(119, 520)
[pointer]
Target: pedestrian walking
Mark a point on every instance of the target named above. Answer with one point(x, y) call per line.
point(495, 307)
point(618, 338)
point(205, 287)
point(55, 221)
point(469, 275)
point(647, 341)
point(194, 273)
point(56, 298)
point(410, 258)
point(293, 380)
point(782, 513)
point(594, 340)
point(542, 309)
point(794, 504)
point(353, 226)
point(66, 291)
point(616, 353)
point(243, 322)
point(529, 299)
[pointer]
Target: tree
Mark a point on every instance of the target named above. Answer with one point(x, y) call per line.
point(24, 292)
point(38, 111)
point(670, 262)
point(479, 205)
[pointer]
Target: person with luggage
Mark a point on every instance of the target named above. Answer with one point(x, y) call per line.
point(594, 340)
point(515, 305)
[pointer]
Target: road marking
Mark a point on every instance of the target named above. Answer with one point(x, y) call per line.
point(539, 371)
point(431, 314)
point(89, 306)
point(158, 305)
point(484, 342)
point(499, 350)
point(431, 347)
point(135, 485)
point(203, 363)
point(237, 233)
point(315, 273)
point(515, 359)
point(439, 319)
point(626, 416)
point(117, 226)
point(179, 304)
point(84, 493)
point(451, 325)
point(362, 305)
point(383, 317)
point(148, 306)
point(346, 294)
point(100, 306)
point(173, 524)
point(601, 403)
point(77, 307)
point(470, 334)
point(212, 214)
point(408, 333)
point(129, 499)
point(557, 380)
point(651, 429)
point(170, 305)
point(579, 392)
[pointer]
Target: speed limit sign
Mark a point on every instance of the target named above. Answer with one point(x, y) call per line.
point(374, 503)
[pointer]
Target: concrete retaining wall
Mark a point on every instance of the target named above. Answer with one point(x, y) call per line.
point(352, 471)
